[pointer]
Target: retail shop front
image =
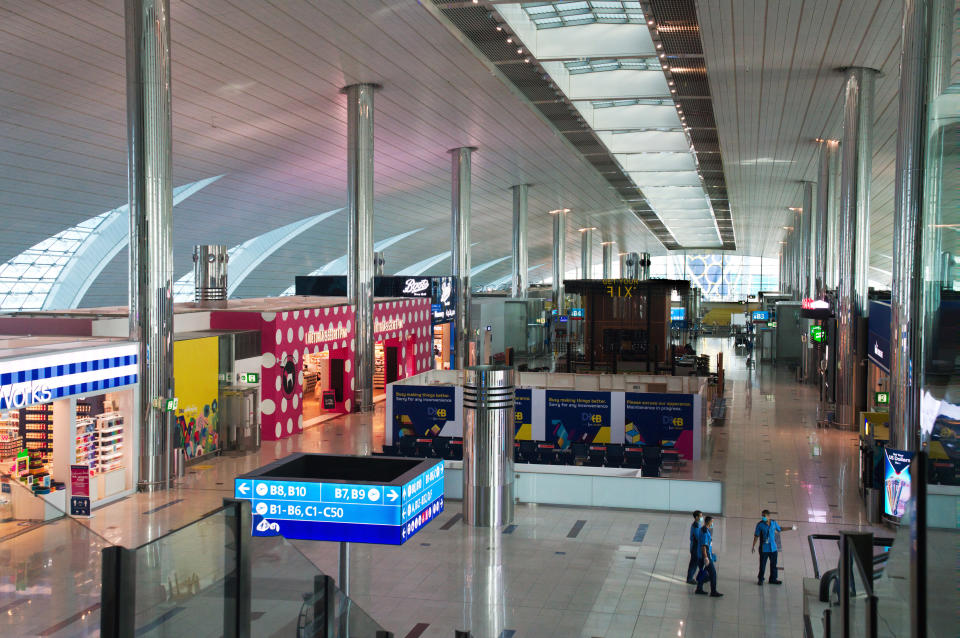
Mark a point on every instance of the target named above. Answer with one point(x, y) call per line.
point(307, 361)
point(441, 291)
point(68, 402)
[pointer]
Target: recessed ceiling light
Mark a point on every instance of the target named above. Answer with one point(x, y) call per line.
point(520, 50)
point(499, 28)
point(509, 40)
point(527, 60)
point(650, 22)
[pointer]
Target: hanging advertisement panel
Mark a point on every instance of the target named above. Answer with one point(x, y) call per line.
point(660, 419)
point(577, 417)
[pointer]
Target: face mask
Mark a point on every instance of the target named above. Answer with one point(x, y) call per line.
point(700, 520)
point(764, 518)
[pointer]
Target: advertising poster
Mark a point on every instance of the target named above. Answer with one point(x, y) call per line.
point(422, 410)
point(523, 414)
point(896, 481)
point(664, 419)
point(196, 367)
point(79, 490)
point(577, 417)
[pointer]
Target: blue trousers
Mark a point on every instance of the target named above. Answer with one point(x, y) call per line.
point(707, 572)
point(764, 557)
point(695, 564)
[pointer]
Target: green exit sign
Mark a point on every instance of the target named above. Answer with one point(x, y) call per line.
point(172, 404)
point(816, 334)
point(249, 377)
point(881, 398)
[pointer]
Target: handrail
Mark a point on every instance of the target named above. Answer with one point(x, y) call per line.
point(877, 542)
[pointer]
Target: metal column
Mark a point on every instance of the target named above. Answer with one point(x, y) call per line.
point(608, 259)
point(149, 147)
point(518, 287)
point(559, 257)
point(854, 260)
point(643, 266)
point(923, 69)
point(821, 221)
point(360, 236)
point(488, 446)
point(460, 252)
point(586, 253)
point(806, 247)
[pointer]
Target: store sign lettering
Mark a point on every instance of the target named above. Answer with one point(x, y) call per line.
point(877, 351)
point(387, 325)
point(19, 395)
point(416, 287)
point(330, 334)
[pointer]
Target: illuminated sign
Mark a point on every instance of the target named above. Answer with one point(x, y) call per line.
point(577, 313)
point(896, 481)
point(45, 378)
point(416, 287)
point(881, 398)
point(388, 325)
point(329, 510)
point(760, 316)
point(249, 377)
point(678, 314)
point(816, 334)
point(815, 304)
point(329, 334)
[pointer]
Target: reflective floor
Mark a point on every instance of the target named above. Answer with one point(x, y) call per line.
point(618, 573)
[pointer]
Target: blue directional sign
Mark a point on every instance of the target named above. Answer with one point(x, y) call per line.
point(367, 512)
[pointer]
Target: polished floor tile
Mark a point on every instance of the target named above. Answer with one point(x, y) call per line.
point(535, 581)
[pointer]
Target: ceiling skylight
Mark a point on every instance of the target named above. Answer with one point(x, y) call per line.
point(550, 15)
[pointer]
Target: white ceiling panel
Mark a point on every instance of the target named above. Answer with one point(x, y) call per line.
point(645, 142)
point(635, 162)
point(646, 179)
point(256, 98)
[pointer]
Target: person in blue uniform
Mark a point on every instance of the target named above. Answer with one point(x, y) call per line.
point(766, 532)
point(695, 563)
point(709, 569)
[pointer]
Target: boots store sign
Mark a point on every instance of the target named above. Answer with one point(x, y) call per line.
point(42, 379)
point(416, 287)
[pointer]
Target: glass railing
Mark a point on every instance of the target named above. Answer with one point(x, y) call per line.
point(49, 566)
point(212, 578)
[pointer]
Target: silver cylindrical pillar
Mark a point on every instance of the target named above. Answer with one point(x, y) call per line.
point(460, 251)
point(360, 237)
point(923, 68)
point(518, 287)
point(586, 253)
point(643, 266)
point(488, 446)
point(806, 246)
point(608, 259)
point(821, 219)
point(149, 148)
point(210, 273)
point(854, 260)
point(629, 265)
point(559, 258)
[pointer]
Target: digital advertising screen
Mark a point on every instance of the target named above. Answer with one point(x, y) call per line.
point(896, 481)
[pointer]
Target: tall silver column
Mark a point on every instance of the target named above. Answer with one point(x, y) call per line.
point(821, 220)
point(518, 287)
point(607, 259)
point(806, 246)
point(854, 260)
point(488, 446)
point(460, 251)
point(360, 236)
point(559, 257)
point(922, 71)
point(586, 253)
point(149, 139)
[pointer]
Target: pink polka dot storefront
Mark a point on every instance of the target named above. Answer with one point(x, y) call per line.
point(307, 361)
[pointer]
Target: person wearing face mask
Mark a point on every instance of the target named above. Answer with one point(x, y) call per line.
point(695, 563)
point(709, 569)
point(766, 532)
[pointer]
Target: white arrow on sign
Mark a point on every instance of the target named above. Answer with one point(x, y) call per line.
point(242, 488)
point(392, 495)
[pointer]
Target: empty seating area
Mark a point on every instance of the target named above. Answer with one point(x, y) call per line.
point(647, 458)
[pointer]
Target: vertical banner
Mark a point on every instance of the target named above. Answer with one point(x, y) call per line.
point(660, 419)
point(896, 481)
point(424, 411)
point(577, 417)
point(523, 414)
point(79, 490)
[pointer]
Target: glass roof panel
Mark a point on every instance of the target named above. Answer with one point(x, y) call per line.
point(594, 66)
point(549, 15)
